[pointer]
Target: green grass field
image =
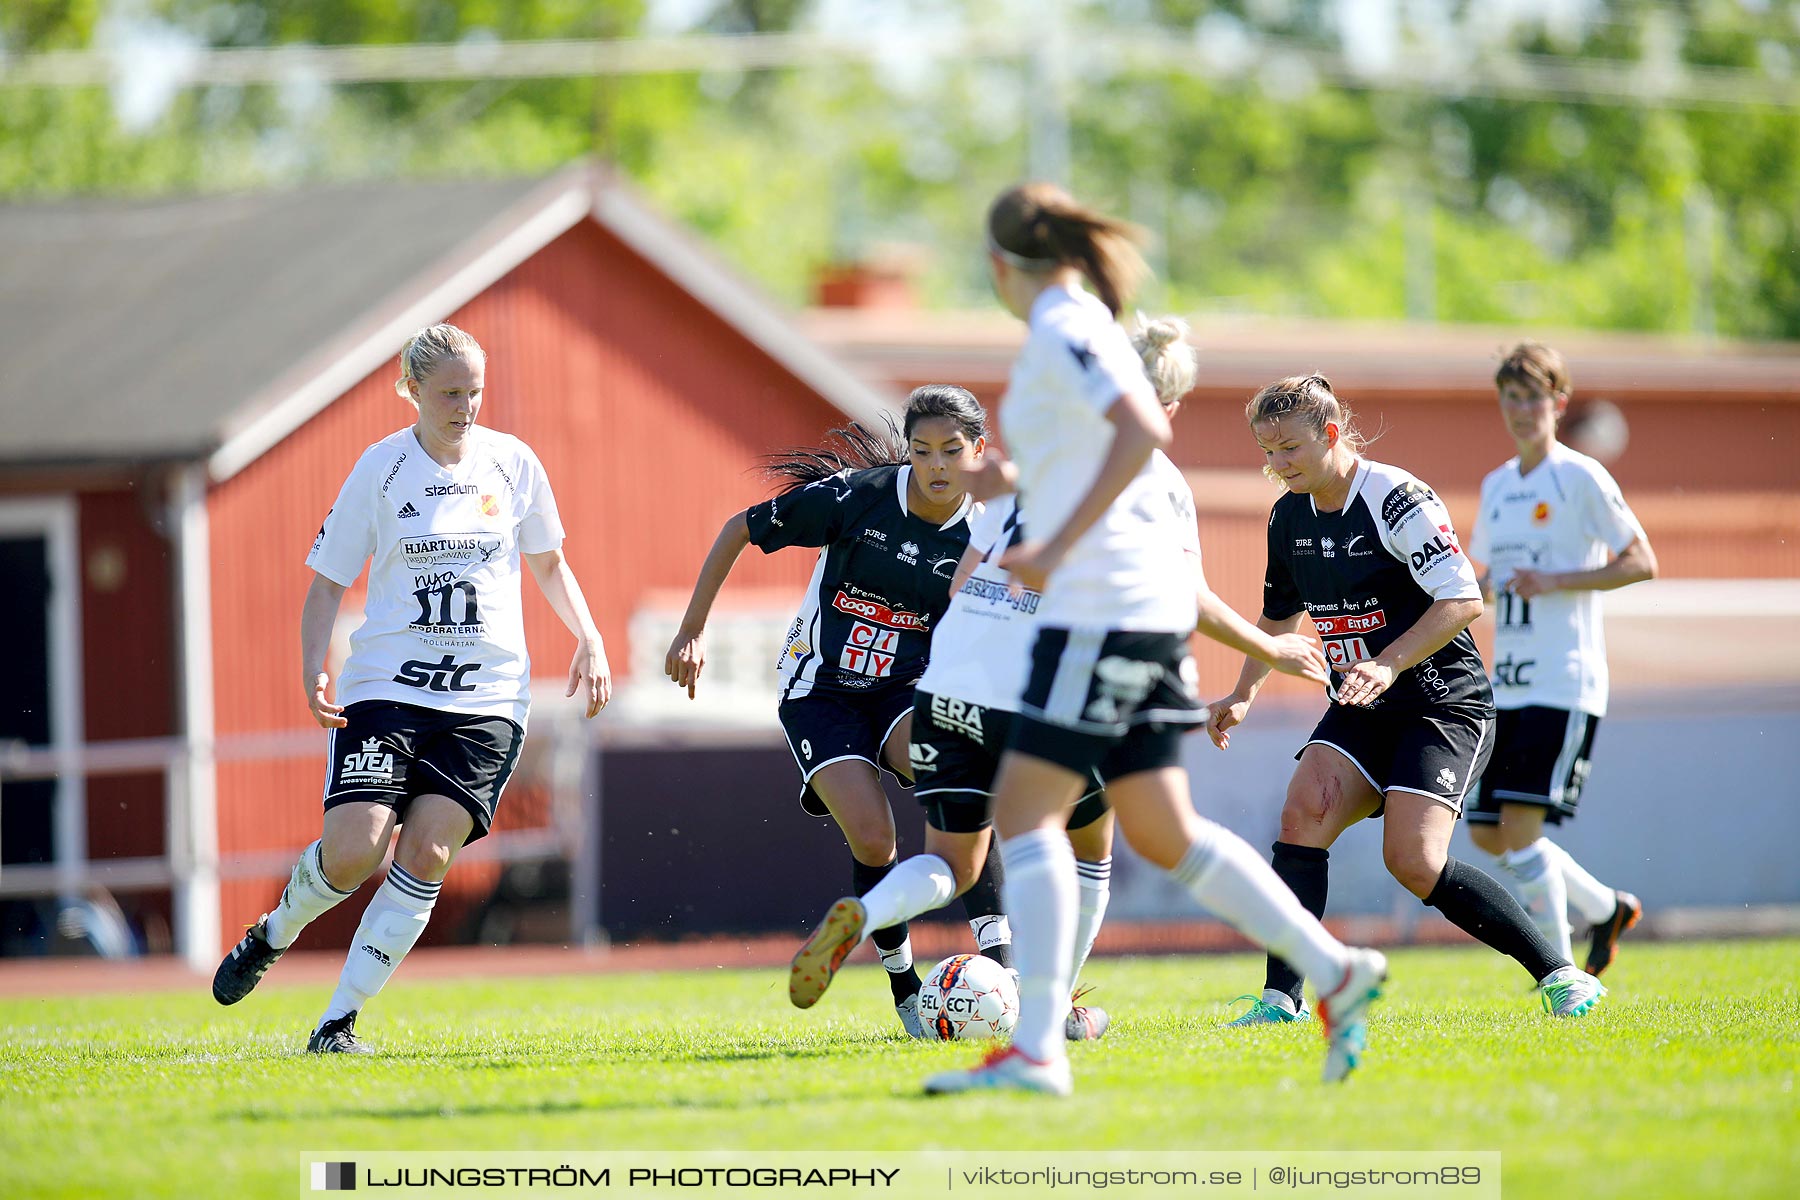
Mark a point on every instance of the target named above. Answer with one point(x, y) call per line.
point(1682, 1084)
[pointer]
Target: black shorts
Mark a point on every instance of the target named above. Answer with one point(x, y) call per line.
point(825, 727)
point(390, 752)
point(1439, 754)
point(1541, 757)
point(956, 748)
point(1114, 702)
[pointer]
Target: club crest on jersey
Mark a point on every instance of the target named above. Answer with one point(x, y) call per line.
point(1541, 514)
point(490, 506)
point(371, 764)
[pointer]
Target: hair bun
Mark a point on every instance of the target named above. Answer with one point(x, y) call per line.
point(1163, 331)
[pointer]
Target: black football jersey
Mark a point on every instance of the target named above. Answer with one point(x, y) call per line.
point(1367, 573)
point(880, 586)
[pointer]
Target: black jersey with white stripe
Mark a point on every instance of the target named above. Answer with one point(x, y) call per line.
point(881, 584)
point(1367, 573)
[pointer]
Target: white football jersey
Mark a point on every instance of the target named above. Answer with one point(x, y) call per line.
point(981, 648)
point(443, 627)
point(1566, 515)
point(1127, 571)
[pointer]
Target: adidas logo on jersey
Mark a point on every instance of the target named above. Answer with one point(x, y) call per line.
point(407, 510)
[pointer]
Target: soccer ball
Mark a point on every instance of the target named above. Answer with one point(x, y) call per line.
point(968, 997)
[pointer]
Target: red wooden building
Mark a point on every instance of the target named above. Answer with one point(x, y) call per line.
point(187, 383)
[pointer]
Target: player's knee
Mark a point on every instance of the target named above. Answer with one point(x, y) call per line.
point(870, 843)
point(1487, 838)
point(425, 859)
point(348, 863)
point(1303, 818)
point(1414, 866)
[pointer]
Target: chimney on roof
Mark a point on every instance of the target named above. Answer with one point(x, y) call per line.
point(885, 277)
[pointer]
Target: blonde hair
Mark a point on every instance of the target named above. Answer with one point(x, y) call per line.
point(1310, 398)
point(1039, 227)
point(1169, 358)
point(428, 349)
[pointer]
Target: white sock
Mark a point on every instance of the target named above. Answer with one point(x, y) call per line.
point(1040, 894)
point(990, 931)
point(306, 896)
point(1222, 872)
point(1541, 886)
point(915, 885)
point(1280, 999)
point(1095, 879)
point(1587, 895)
point(391, 925)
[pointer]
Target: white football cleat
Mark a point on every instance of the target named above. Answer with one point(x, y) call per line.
point(1085, 1022)
point(1568, 992)
point(1006, 1068)
point(1344, 1011)
point(908, 1012)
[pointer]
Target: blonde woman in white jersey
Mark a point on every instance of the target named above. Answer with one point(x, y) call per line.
point(1554, 531)
point(1111, 683)
point(432, 701)
point(967, 704)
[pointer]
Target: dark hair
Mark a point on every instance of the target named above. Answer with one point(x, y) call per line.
point(1535, 366)
point(1039, 226)
point(857, 447)
point(853, 447)
point(950, 402)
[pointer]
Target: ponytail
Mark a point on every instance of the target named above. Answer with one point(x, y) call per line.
point(1039, 226)
point(854, 447)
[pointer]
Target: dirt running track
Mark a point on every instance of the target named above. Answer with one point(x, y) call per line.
point(931, 941)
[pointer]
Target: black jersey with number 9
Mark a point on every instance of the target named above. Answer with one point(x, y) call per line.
point(880, 586)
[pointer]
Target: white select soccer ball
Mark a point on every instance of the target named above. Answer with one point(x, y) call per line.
point(968, 997)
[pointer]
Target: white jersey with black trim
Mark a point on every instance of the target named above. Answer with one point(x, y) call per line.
point(1566, 514)
point(981, 649)
point(443, 625)
point(1126, 572)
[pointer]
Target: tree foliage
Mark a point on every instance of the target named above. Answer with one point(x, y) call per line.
point(1270, 190)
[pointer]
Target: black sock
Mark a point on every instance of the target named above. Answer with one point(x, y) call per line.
point(1480, 907)
point(1307, 872)
point(862, 878)
point(983, 900)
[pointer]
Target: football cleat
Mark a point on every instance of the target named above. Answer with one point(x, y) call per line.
point(1006, 1067)
point(1606, 934)
point(1344, 1013)
point(245, 966)
point(818, 960)
point(908, 1012)
point(1567, 992)
point(1261, 1012)
point(1085, 1022)
point(337, 1037)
